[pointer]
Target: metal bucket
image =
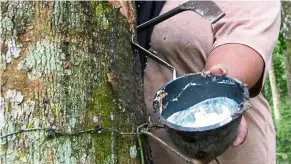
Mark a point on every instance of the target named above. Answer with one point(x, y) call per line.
point(204, 143)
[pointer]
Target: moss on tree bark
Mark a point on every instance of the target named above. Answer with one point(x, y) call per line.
point(68, 66)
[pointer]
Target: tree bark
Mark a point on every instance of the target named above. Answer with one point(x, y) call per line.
point(275, 93)
point(286, 29)
point(69, 83)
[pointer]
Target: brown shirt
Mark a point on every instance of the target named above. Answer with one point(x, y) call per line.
point(186, 40)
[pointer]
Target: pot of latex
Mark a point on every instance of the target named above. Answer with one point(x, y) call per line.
point(201, 113)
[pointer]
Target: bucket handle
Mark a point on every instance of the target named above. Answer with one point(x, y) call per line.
point(166, 145)
point(152, 55)
point(145, 130)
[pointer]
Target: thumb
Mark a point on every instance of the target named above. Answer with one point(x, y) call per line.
point(218, 70)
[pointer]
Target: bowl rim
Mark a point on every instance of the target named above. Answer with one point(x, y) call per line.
point(205, 128)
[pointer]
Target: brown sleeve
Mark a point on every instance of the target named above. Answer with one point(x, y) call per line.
point(255, 24)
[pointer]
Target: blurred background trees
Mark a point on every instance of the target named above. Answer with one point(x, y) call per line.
point(277, 88)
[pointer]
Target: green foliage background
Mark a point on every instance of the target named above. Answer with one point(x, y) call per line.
point(283, 127)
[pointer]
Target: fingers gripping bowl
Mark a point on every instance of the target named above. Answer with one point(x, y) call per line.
point(209, 140)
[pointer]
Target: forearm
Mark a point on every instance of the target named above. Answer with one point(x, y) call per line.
point(242, 62)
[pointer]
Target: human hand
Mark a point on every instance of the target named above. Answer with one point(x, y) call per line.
point(219, 70)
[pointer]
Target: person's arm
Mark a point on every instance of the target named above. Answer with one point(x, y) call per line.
point(245, 39)
point(241, 62)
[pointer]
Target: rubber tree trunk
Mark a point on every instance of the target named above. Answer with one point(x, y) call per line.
point(69, 83)
point(275, 93)
point(286, 29)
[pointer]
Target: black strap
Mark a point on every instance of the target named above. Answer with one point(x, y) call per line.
point(146, 10)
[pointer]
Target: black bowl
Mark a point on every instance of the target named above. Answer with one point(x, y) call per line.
point(203, 143)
